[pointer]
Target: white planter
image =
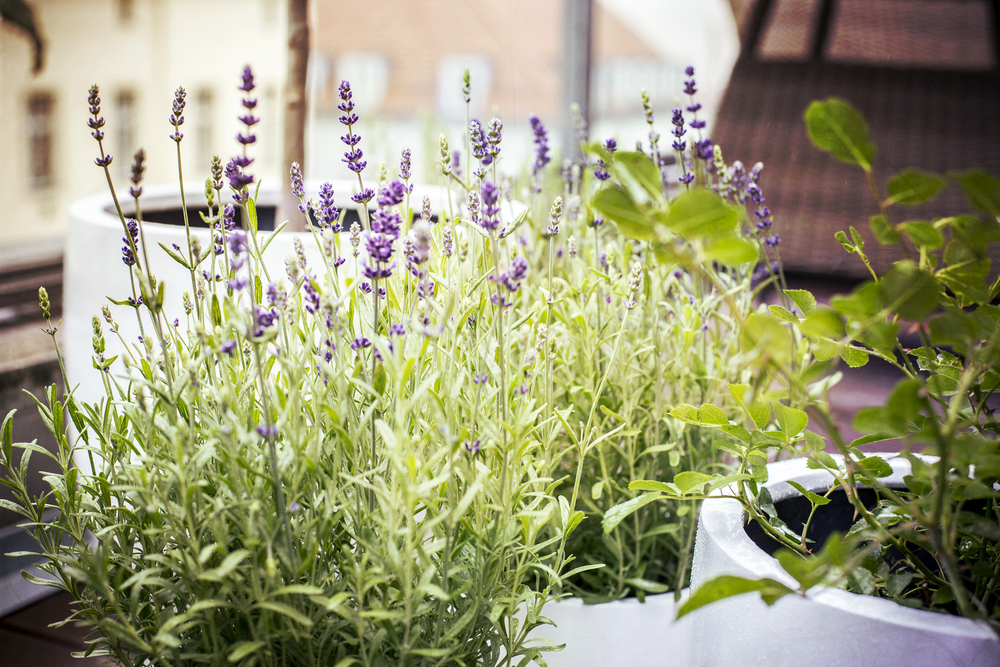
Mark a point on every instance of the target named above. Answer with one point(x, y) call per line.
point(831, 628)
point(625, 632)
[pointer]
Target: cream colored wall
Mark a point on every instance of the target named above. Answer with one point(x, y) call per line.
point(200, 44)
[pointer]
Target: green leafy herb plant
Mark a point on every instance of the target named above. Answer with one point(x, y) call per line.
point(934, 544)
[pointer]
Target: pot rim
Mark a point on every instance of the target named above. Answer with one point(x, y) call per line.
point(722, 522)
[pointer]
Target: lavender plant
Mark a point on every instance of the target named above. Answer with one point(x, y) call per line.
point(280, 480)
point(404, 462)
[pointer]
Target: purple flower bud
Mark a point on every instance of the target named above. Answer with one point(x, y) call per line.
point(471, 447)
point(328, 213)
point(491, 207)
point(541, 145)
point(248, 84)
point(360, 343)
point(397, 329)
point(392, 194)
point(267, 431)
point(298, 189)
point(176, 117)
point(365, 195)
point(228, 347)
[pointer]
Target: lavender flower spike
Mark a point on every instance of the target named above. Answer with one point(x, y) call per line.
point(176, 117)
point(353, 155)
point(541, 145)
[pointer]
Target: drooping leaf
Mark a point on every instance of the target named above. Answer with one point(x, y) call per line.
point(912, 186)
point(640, 168)
point(884, 232)
point(791, 421)
point(922, 234)
point(835, 126)
point(982, 190)
point(618, 206)
point(909, 291)
point(804, 299)
point(727, 586)
point(616, 514)
point(701, 214)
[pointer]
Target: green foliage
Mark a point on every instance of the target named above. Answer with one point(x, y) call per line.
point(931, 544)
point(836, 127)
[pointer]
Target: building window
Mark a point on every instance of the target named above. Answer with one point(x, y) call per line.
point(39, 133)
point(124, 137)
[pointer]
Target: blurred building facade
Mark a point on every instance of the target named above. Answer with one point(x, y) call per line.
point(404, 58)
point(138, 52)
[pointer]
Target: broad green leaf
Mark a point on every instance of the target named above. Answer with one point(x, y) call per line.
point(685, 481)
point(755, 406)
point(909, 291)
point(982, 190)
point(815, 441)
point(922, 234)
point(653, 485)
point(860, 304)
point(854, 357)
point(952, 328)
point(912, 186)
point(884, 232)
point(825, 323)
point(804, 299)
point(616, 514)
point(618, 206)
point(737, 432)
point(791, 421)
point(835, 126)
point(783, 313)
point(876, 466)
point(701, 214)
point(731, 250)
point(640, 168)
point(707, 415)
point(764, 334)
point(727, 586)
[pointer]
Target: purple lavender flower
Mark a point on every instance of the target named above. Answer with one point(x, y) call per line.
point(480, 379)
point(491, 207)
point(471, 447)
point(678, 122)
point(353, 155)
point(494, 137)
point(419, 244)
point(360, 343)
point(772, 241)
point(380, 251)
point(478, 141)
point(365, 195)
point(176, 117)
point(689, 85)
point(404, 167)
point(138, 171)
point(555, 213)
point(328, 213)
point(238, 180)
point(265, 319)
point(267, 431)
point(456, 163)
point(392, 194)
point(228, 347)
point(386, 221)
point(312, 295)
point(130, 241)
point(397, 329)
point(96, 122)
point(601, 173)
point(298, 189)
point(541, 145)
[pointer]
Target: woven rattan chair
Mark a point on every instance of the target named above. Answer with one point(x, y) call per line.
point(923, 72)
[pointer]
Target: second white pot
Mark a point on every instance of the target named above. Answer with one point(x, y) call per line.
point(829, 628)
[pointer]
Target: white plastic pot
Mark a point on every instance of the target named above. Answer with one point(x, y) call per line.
point(830, 628)
point(93, 268)
point(623, 632)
